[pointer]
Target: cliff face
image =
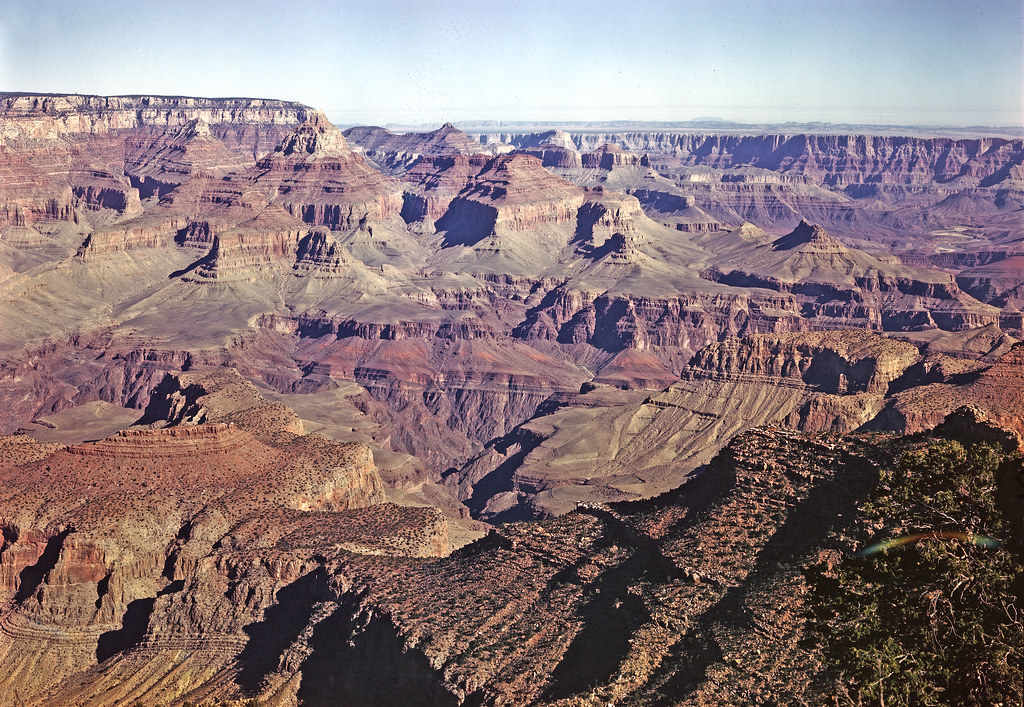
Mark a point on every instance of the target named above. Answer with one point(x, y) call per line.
point(993, 391)
point(140, 539)
point(460, 297)
point(158, 163)
point(609, 157)
point(46, 117)
point(514, 331)
point(831, 362)
point(522, 195)
point(829, 159)
point(66, 155)
point(554, 156)
point(324, 183)
point(433, 182)
point(249, 218)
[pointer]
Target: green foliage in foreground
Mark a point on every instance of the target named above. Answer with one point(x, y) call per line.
point(936, 622)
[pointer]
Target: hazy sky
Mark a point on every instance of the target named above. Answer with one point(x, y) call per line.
point(893, 61)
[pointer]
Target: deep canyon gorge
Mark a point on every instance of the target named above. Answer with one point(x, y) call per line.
point(309, 416)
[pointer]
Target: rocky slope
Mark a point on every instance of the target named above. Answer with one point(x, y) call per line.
point(811, 381)
point(992, 389)
point(105, 542)
point(696, 597)
point(651, 442)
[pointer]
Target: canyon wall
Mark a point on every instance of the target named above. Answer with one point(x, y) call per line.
point(836, 160)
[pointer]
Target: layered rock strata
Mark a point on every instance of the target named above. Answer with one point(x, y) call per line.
point(397, 152)
point(106, 543)
point(814, 381)
point(610, 602)
point(829, 159)
point(834, 281)
point(49, 116)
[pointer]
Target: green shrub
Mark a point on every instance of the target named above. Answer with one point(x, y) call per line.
point(938, 621)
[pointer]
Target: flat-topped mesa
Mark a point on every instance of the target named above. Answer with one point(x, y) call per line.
point(610, 212)
point(156, 231)
point(434, 181)
point(98, 189)
point(524, 141)
point(249, 250)
point(838, 362)
point(610, 156)
point(215, 438)
point(554, 156)
point(611, 227)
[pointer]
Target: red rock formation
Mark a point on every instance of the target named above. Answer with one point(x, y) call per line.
point(63, 152)
point(96, 533)
point(608, 214)
point(834, 281)
point(511, 193)
point(811, 380)
point(397, 152)
point(609, 157)
point(28, 117)
point(318, 253)
point(433, 182)
point(1000, 283)
point(829, 159)
point(159, 163)
point(555, 156)
point(246, 251)
point(995, 392)
point(838, 362)
point(319, 180)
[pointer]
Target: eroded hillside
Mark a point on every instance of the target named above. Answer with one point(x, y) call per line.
point(261, 377)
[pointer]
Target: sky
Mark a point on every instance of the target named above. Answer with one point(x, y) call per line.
point(903, 62)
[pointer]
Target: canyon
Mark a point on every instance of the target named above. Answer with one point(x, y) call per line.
point(297, 415)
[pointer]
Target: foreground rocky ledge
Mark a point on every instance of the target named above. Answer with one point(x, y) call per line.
point(697, 597)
